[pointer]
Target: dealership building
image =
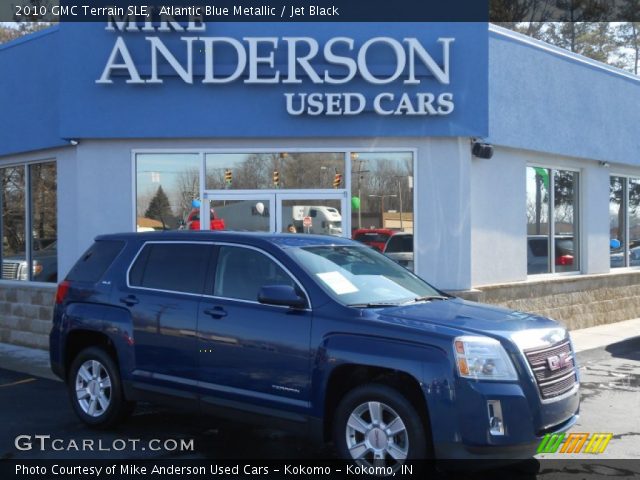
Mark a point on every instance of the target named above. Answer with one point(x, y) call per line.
point(513, 164)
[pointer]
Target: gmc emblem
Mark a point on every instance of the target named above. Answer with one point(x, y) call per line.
point(557, 362)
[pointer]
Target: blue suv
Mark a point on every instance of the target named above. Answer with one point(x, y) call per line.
point(320, 334)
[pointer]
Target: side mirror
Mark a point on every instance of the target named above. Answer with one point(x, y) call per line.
point(284, 295)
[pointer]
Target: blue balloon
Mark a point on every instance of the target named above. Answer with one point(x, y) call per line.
point(195, 203)
point(615, 243)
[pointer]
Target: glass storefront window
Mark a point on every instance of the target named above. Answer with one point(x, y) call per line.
point(382, 203)
point(44, 222)
point(266, 171)
point(624, 215)
point(33, 203)
point(167, 190)
point(560, 211)
point(617, 221)
point(14, 265)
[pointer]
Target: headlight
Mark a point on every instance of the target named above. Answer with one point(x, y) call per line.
point(482, 358)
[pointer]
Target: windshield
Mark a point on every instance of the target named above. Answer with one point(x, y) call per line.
point(357, 275)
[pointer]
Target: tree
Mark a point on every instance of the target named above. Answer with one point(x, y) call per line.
point(629, 35)
point(160, 209)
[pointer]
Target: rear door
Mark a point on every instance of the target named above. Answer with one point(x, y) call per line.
point(164, 287)
point(252, 354)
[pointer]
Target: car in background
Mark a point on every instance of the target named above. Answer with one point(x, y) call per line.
point(45, 265)
point(538, 254)
point(374, 237)
point(399, 248)
point(193, 220)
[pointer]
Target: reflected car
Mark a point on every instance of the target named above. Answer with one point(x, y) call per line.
point(617, 258)
point(399, 248)
point(538, 254)
point(322, 335)
point(193, 220)
point(45, 265)
point(374, 237)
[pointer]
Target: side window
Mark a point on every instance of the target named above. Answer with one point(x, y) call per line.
point(178, 267)
point(242, 272)
point(95, 261)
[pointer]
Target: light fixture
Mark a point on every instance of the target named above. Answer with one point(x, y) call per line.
point(73, 141)
point(481, 149)
point(604, 164)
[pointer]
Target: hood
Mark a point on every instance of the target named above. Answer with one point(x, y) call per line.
point(470, 317)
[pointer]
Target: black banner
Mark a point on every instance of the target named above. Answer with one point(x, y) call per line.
point(559, 468)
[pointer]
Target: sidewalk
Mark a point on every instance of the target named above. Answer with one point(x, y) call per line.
point(33, 361)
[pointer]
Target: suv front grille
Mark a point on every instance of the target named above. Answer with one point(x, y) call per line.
point(553, 368)
point(10, 270)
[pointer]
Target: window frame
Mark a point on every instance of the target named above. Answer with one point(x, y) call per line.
point(28, 218)
point(165, 242)
point(626, 233)
point(211, 287)
point(577, 220)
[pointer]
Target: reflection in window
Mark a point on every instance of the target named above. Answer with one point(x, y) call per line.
point(382, 198)
point(382, 190)
point(14, 265)
point(167, 190)
point(617, 220)
point(561, 212)
point(44, 221)
point(624, 215)
point(262, 171)
point(34, 203)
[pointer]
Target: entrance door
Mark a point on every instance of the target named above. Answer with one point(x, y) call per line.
point(316, 213)
point(239, 212)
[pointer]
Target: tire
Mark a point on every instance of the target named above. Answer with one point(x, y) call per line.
point(379, 441)
point(95, 389)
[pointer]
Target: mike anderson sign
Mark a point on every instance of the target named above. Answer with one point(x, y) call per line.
point(336, 61)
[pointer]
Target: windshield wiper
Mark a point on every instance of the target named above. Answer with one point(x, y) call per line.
point(373, 304)
point(428, 298)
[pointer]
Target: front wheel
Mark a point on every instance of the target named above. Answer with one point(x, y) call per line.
point(95, 389)
point(378, 427)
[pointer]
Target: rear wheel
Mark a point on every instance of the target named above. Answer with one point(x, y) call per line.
point(377, 426)
point(95, 389)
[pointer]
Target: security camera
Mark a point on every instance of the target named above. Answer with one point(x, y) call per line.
point(482, 150)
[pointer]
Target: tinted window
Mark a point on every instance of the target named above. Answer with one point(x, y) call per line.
point(95, 261)
point(242, 272)
point(178, 267)
point(400, 243)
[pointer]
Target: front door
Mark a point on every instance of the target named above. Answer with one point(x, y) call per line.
point(316, 213)
point(250, 353)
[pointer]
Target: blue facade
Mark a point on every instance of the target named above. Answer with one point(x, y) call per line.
point(543, 98)
point(75, 55)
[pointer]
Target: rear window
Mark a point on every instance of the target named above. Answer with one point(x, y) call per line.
point(95, 261)
point(371, 237)
point(400, 243)
point(177, 267)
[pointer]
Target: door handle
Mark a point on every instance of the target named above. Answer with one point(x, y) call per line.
point(130, 300)
point(216, 312)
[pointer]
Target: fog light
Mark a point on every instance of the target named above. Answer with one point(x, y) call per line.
point(496, 423)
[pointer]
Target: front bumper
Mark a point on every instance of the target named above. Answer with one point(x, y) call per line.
point(464, 431)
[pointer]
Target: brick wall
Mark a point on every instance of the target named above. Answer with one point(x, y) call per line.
point(577, 301)
point(25, 314)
